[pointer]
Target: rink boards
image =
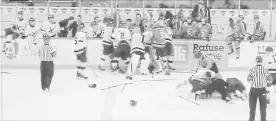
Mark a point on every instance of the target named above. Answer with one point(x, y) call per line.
point(183, 49)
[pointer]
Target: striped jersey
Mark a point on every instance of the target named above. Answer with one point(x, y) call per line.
point(259, 77)
point(46, 52)
point(80, 42)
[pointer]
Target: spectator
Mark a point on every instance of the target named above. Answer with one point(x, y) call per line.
point(138, 16)
point(74, 25)
point(64, 26)
point(201, 11)
point(98, 27)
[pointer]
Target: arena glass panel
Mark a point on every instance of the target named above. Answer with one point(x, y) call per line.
point(224, 4)
point(159, 4)
point(255, 4)
point(130, 3)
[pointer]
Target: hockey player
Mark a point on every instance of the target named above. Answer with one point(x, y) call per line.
point(236, 88)
point(33, 35)
point(50, 27)
point(204, 61)
point(169, 50)
point(120, 39)
point(188, 29)
point(158, 41)
point(15, 31)
point(270, 63)
point(106, 42)
point(259, 31)
point(239, 32)
point(200, 80)
point(205, 30)
point(80, 51)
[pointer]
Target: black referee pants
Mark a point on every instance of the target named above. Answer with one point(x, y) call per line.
point(257, 93)
point(47, 73)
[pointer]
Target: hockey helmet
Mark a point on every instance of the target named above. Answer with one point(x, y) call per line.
point(198, 54)
point(259, 59)
point(31, 19)
point(20, 12)
point(46, 38)
point(269, 49)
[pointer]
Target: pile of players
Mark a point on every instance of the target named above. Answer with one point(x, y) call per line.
point(142, 43)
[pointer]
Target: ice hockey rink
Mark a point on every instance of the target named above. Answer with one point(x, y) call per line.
point(157, 98)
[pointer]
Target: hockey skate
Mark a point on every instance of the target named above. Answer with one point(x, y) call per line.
point(81, 76)
point(101, 68)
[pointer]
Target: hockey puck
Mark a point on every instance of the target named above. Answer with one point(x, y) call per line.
point(133, 103)
point(92, 85)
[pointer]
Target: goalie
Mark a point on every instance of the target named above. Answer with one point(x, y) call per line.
point(138, 54)
point(259, 31)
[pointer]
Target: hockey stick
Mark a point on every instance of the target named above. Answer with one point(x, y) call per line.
point(116, 86)
point(89, 65)
point(189, 100)
point(157, 80)
point(5, 73)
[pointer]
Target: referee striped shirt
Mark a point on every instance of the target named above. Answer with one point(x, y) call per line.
point(46, 52)
point(259, 77)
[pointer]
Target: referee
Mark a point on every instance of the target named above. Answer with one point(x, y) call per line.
point(259, 77)
point(46, 54)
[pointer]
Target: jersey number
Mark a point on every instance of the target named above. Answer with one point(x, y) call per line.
point(122, 36)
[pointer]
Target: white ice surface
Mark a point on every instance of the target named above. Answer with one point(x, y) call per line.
point(71, 99)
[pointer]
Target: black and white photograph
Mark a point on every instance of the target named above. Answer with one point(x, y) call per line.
point(88, 60)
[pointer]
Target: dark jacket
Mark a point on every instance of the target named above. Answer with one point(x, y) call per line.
point(73, 27)
point(195, 14)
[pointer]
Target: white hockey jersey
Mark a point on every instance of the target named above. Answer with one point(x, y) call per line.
point(168, 35)
point(50, 28)
point(20, 24)
point(107, 35)
point(80, 42)
point(137, 43)
point(32, 31)
point(120, 34)
point(270, 61)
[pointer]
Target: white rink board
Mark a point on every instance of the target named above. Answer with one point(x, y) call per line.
point(67, 59)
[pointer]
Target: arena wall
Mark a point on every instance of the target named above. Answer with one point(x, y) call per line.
point(183, 54)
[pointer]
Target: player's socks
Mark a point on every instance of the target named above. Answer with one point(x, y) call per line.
point(230, 46)
point(102, 63)
point(238, 53)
